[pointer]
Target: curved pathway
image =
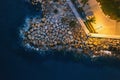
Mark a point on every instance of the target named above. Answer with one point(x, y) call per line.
point(108, 26)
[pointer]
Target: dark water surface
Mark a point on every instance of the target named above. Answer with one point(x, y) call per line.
point(18, 64)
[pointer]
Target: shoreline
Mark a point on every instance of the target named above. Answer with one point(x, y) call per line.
point(50, 33)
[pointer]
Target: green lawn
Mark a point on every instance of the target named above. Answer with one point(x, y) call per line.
point(111, 8)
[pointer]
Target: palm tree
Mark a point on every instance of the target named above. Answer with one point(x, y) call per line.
point(73, 1)
point(92, 20)
point(55, 11)
point(72, 23)
point(84, 2)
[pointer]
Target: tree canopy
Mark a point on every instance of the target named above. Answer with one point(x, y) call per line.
point(111, 8)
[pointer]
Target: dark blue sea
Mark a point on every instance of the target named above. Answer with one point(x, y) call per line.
point(19, 63)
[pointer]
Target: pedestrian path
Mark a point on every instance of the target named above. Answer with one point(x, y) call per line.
point(84, 26)
point(77, 16)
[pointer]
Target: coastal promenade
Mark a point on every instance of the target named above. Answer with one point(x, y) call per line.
point(105, 27)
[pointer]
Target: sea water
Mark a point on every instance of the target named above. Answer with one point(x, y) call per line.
point(19, 63)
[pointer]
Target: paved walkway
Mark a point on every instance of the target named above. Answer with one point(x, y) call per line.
point(105, 36)
point(118, 28)
point(77, 16)
point(108, 26)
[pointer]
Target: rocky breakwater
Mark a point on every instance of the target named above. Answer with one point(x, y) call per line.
point(34, 4)
point(55, 29)
point(59, 29)
point(104, 46)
